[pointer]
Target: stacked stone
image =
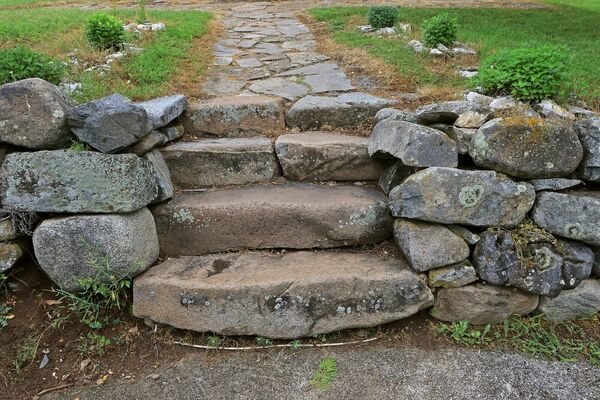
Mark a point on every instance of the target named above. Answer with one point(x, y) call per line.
point(483, 195)
point(93, 204)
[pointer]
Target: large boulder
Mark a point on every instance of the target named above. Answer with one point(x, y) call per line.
point(582, 301)
point(448, 112)
point(76, 182)
point(414, 145)
point(163, 110)
point(481, 304)
point(589, 135)
point(69, 249)
point(32, 115)
point(573, 215)
point(454, 196)
point(527, 148)
point(110, 123)
point(429, 246)
point(495, 257)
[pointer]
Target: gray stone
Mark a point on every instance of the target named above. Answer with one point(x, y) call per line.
point(589, 134)
point(573, 215)
point(293, 215)
point(540, 271)
point(448, 112)
point(462, 136)
point(453, 196)
point(222, 86)
point(414, 145)
point(286, 295)
point(150, 141)
point(578, 260)
point(554, 184)
point(471, 119)
point(428, 246)
point(32, 115)
point(83, 246)
point(596, 265)
point(503, 104)
point(76, 182)
point(320, 156)
point(581, 112)
point(481, 304)
point(315, 69)
point(220, 162)
point(172, 132)
point(8, 229)
point(331, 82)
point(109, 124)
point(348, 109)
point(480, 99)
point(304, 58)
point(495, 257)
point(249, 62)
point(394, 114)
point(465, 234)
point(299, 45)
point(394, 175)
point(164, 110)
point(10, 253)
point(455, 275)
point(163, 176)
point(527, 148)
point(549, 109)
point(582, 301)
point(281, 87)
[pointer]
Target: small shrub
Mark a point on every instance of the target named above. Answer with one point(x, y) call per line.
point(441, 28)
point(528, 73)
point(105, 31)
point(21, 63)
point(141, 12)
point(382, 16)
point(325, 374)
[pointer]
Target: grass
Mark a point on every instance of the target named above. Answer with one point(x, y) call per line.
point(573, 24)
point(325, 374)
point(152, 73)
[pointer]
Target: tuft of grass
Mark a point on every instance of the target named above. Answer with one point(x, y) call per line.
point(93, 344)
point(325, 374)
point(25, 354)
point(213, 341)
point(5, 316)
point(460, 333)
point(261, 341)
point(78, 146)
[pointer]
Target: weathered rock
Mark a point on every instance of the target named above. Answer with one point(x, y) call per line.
point(471, 119)
point(596, 265)
point(589, 134)
point(164, 110)
point(285, 295)
point(235, 116)
point(581, 112)
point(554, 184)
point(414, 145)
point(495, 257)
point(84, 246)
point(348, 109)
point(582, 301)
point(503, 104)
point(549, 109)
point(541, 272)
point(219, 162)
point(428, 246)
point(394, 114)
point(150, 141)
point(453, 196)
point(276, 216)
point(10, 253)
point(478, 98)
point(455, 275)
point(163, 176)
point(573, 215)
point(320, 156)
point(32, 115)
point(281, 87)
point(465, 234)
point(448, 112)
point(527, 148)
point(76, 182)
point(481, 304)
point(394, 175)
point(461, 136)
point(578, 260)
point(8, 230)
point(172, 132)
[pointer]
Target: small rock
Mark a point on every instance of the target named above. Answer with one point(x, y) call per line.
point(577, 263)
point(447, 112)
point(478, 98)
point(417, 46)
point(581, 112)
point(442, 48)
point(465, 234)
point(462, 136)
point(163, 176)
point(436, 52)
point(503, 103)
point(44, 362)
point(159, 26)
point(456, 275)
point(549, 109)
point(580, 302)
point(394, 175)
point(471, 119)
point(8, 230)
point(149, 142)
point(365, 28)
point(10, 253)
point(468, 73)
point(386, 31)
point(554, 184)
point(588, 131)
point(155, 377)
point(163, 110)
point(463, 50)
point(172, 132)
point(495, 257)
point(394, 114)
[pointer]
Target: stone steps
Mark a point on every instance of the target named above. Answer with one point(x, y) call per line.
point(286, 295)
point(292, 215)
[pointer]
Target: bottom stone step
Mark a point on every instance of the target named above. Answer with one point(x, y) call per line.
point(286, 295)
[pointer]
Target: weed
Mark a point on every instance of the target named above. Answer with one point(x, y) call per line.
point(5, 316)
point(261, 341)
point(77, 146)
point(93, 344)
point(213, 341)
point(325, 374)
point(295, 344)
point(21, 62)
point(460, 332)
point(141, 12)
point(25, 354)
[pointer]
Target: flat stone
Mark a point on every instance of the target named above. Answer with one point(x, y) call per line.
point(554, 184)
point(10, 253)
point(464, 233)
point(222, 60)
point(481, 304)
point(247, 43)
point(589, 134)
point(279, 87)
point(414, 145)
point(581, 302)
point(549, 109)
point(299, 45)
point(163, 176)
point(279, 65)
point(479, 98)
point(453, 196)
point(394, 175)
point(581, 112)
point(495, 257)
point(172, 132)
point(315, 69)
point(333, 82)
point(394, 114)
point(455, 275)
point(223, 51)
point(287, 295)
point(32, 115)
point(235, 116)
point(76, 182)
point(527, 148)
point(71, 248)
point(163, 110)
point(267, 48)
point(149, 142)
point(448, 112)
point(274, 216)
point(503, 103)
point(220, 162)
point(428, 246)
point(248, 62)
point(221, 86)
point(320, 156)
point(305, 58)
point(471, 119)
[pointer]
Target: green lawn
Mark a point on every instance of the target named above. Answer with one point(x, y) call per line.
point(575, 25)
point(58, 32)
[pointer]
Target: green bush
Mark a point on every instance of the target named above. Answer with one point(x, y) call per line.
point(105, 31)
point(528, 73)
point(382, 16)
point(21, 63)
point(441, 28)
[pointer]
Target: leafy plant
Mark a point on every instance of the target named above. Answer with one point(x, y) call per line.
point(382, 16)
point(527, 73)
point(213, 341)
point(21, 62)
point(78, 146)
point(325, 374)
point(460, 332)
point(141, 11)
point(105, 31)
point(261, 341)
point(25, 354)
point(5, 316)
point(94, 344)
point(295, 344)
point(441, 28)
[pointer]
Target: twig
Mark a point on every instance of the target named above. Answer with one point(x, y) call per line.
point(53, 389)
point(205, 347)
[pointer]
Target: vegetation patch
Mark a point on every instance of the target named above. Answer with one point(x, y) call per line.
point(21, 62)
point(325, 374)
point(382, 16)
point(440, 29)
